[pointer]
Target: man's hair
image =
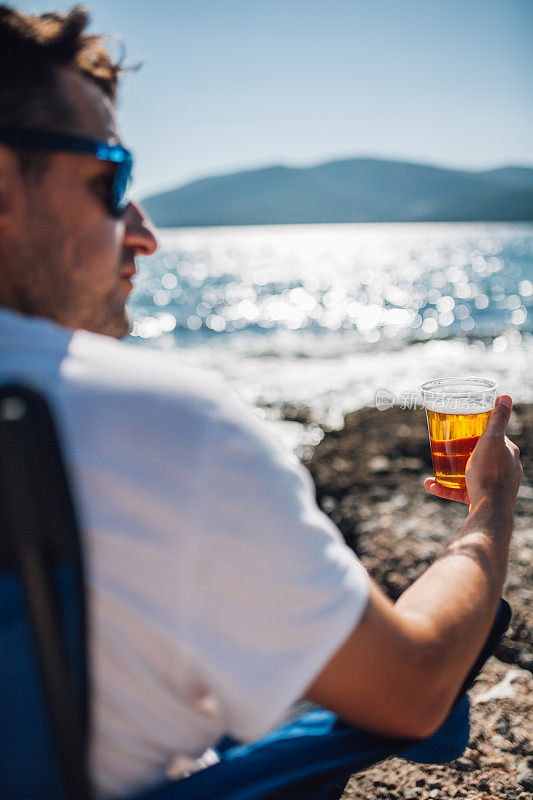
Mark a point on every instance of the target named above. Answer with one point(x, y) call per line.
point(32, 49)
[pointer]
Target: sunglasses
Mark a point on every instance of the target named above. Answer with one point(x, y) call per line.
point(50, 141)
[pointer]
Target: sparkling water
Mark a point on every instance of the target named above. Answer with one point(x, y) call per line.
point(328, 315)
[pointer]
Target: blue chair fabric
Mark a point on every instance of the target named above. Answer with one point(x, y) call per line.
point(318, 748)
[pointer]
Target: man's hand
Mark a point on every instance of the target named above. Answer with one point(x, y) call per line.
point(494, 469)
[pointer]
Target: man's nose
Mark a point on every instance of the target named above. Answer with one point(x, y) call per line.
point(139, 234)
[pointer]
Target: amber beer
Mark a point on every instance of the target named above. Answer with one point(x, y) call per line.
point(457, 411)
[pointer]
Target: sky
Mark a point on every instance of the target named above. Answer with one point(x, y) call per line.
point(227, 85)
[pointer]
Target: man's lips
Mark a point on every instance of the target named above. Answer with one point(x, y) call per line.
point(128, 271)
point(126, 274)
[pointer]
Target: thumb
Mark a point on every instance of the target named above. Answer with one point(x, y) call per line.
point(500, 415)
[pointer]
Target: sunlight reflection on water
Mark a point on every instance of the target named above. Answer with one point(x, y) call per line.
point(325, 314)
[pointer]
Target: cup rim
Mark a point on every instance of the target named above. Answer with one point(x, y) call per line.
point(437, 386)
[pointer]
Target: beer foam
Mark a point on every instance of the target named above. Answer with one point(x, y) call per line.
point(463, 396)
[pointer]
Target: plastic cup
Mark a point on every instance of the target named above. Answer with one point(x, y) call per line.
point(457, 411)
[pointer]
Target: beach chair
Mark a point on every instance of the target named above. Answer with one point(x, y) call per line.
point(44, 694)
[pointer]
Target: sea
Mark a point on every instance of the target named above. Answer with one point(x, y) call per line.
point(331, 318)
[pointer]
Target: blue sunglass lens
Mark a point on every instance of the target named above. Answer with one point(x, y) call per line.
point(123, 162)
point(118, 198)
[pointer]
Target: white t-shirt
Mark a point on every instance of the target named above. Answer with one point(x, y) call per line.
point(217, 588)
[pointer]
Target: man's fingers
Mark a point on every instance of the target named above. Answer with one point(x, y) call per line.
point(500, 415)
point(436, 488)
point(446, 492)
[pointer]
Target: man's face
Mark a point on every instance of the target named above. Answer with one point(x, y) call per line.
point(73, 259)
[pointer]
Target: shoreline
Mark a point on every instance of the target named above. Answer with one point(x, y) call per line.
point(369, 480)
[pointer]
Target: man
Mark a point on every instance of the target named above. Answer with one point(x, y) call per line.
point(219, 593)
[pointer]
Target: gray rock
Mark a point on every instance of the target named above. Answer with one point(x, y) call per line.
point(379, 465)
point(524, 777)
point(328, 504)
point(502, 725)
point(526, 660)
point(464, 764)
point(411, 464)
point(499, 742)
point(523, 746)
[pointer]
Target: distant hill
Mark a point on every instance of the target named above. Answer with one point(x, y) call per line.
point(351, 190)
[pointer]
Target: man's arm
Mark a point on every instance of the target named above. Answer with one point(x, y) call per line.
point(400, 670)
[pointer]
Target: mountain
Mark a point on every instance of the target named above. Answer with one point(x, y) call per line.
point(351, 190)
point(517, 177)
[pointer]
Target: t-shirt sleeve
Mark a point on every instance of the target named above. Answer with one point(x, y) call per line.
point(273, 591)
